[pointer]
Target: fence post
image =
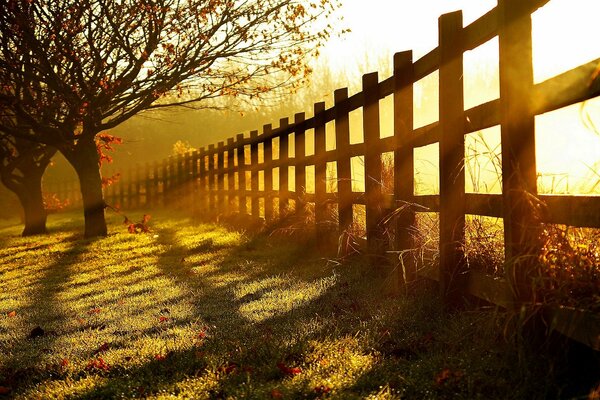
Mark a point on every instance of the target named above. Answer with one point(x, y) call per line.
point(284, 160)
point(452, 155)
point(299, 166)
point(521, 211)
point(344, 172)
point(210, 187)
point(373, 166)
point(404, 180)
point(241, 168)
point(321, 222)
point(268, 173)
point(230, 176)
point(254, 173)
point(203, 193)
point(220, 178)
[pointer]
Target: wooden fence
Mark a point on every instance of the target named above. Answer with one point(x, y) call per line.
point(229, 177)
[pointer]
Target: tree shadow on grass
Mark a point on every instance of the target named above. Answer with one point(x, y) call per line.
point(44, 316)
point(237, 347)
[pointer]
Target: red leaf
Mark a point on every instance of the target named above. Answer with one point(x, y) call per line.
point(98, 364)
point(12, 314)
point(5, 390)
point(322, 389)
point(160, 357)
point(94, 311)
point(287, 370)
point(64, 362)
point(163, 319)
point(276, 394)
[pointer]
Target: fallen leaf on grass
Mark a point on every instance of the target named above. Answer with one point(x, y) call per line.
point(160, 357)
point(288, 370)
point(97, 364)
point(320, 390)
point(93, 311)
point(64, 362)
point(12, 314)
point(447, 375)
point(276, 394)
point(5, 390)
point(163, 319)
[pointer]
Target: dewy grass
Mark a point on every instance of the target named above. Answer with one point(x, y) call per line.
point(196, 311)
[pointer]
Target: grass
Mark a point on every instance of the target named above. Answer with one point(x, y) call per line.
point(196, 311)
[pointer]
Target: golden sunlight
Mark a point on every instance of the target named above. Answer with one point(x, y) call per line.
point(565, 35)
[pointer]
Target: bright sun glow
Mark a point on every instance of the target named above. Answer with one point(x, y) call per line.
point(565, 35)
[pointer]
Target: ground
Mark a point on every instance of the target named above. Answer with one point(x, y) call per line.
point(193, 310)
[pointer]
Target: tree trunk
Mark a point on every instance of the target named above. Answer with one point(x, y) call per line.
point(29, 193)
point(33, 207)
point(84, 158)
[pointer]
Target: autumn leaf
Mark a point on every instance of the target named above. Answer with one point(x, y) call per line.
point(320, 390)
point(160, 357)
point(95, 310)
point(97, 364)
point(12, 314)
point(64, 362)
point(162, 319)
point(276, 394)
point(5, 390)
point(287, 370)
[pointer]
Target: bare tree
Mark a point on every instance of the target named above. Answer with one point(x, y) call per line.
point(71, 69)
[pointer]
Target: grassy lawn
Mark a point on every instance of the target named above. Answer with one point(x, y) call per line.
point(195, 311)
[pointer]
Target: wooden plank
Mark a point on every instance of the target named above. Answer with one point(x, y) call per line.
point(373, 167)
point(491, 289)
point(519, 175)
point(580, 325)
point(241, 168)
point(320, 174)
point(489, 205)
point(404, 180)
point(568, 88)
point(581, 211)
point(299, 168)
point(482, 116)
point(254, 173)
point(220, 209)
point(481, 30)
point(211, 186)
point(344, 175)
point(283, 163)
point(268, 172)
point(427, 64)
point(230, 175)
point(202, 190)
point(452, 155)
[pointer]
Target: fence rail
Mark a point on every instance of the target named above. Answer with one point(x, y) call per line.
point(229, 177)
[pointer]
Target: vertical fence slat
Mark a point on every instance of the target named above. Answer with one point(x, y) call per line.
point(241, 168)
point(230, 176)
point(202, 190)
point(254, 173)
point(268, 173)
point(451, 153)
point(519, 180)
point(220, 178)
point(344, 172)
point(299, 168)
point(373, 166)
point(320, 174)
point(283, 168)
point(404, 179)
point(210, 186)
point(155, 194)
